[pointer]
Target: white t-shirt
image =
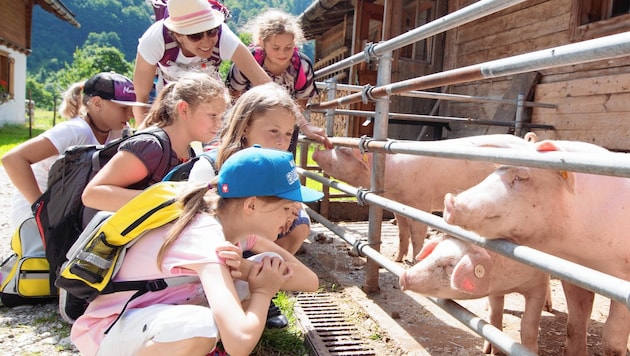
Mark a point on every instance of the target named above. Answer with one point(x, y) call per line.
point(68, 133)
point(152, 47)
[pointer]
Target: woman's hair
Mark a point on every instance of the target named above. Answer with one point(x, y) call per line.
point(275, 22)
point(73, 101)
point(201, 198)
point(193, 88)
point(248, 107)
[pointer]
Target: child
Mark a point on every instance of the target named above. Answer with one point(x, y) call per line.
point(203, 41)
point(188, 110)
point(276, 37)
point(191, 318)
point(99, 109)
point(264, 115)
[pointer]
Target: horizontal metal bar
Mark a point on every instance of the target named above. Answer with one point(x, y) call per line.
point(593, 280)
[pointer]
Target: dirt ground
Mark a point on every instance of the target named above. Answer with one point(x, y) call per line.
point(415, 323)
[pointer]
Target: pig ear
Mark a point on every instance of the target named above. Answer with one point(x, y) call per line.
point(365, 158)
point(426, 250)
point(567, 177)
point(472, 272)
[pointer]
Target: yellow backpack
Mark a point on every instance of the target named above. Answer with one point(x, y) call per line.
point(24, 275)
point(96, 256)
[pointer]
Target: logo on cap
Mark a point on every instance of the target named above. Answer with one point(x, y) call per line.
point(225, 188)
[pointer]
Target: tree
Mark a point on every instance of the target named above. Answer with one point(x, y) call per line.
point(91, 59)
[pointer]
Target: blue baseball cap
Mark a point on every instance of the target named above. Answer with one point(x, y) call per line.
point(257, 171)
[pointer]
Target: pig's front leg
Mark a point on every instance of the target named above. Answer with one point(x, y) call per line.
point(404, 234)
point(535, 301)
point(496, 304)
point(616, 330)
point(579, 308)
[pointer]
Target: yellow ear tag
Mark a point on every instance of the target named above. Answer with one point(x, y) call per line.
point(564, 175)
point(364, 157)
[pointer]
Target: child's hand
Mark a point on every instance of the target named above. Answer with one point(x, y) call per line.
point(268, 276)
point(233, 257)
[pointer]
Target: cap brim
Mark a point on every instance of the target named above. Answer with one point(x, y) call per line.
point(304, 194)
point(131, 103)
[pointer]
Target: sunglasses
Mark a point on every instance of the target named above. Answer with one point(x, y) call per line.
point(196, 37)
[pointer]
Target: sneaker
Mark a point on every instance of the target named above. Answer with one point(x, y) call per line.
point(275, 319)
point(71, 307)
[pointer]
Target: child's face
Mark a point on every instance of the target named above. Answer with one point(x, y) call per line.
point(273, 129)
point(271, 218)
point(279, 49)
point(205, 120)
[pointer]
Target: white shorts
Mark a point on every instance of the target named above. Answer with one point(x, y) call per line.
point(160, 323)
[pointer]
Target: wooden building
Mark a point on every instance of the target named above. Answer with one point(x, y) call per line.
point(591, 99)
point(16, 18)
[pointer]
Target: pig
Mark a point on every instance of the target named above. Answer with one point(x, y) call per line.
point(414, 180)
point(453, 269)
point(576, 216)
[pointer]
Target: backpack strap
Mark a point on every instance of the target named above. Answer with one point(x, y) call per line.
point(143, 287)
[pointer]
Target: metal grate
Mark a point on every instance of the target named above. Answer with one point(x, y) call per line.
point(327, 331)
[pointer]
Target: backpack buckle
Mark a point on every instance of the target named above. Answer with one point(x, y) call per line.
point(156, 285)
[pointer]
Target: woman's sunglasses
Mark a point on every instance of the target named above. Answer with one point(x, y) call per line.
point(196, 37)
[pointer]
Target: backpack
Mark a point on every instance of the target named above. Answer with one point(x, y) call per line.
point(24, 276)
point(301, 79)
point(181, 172)
point(59, 211)
point(171, 48)
point(96, 256)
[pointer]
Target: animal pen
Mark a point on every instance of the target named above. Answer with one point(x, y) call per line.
point(607, 47)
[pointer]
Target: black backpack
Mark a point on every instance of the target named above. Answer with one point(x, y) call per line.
point(59, 211)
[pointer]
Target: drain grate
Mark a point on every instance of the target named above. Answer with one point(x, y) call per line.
point(327, 331)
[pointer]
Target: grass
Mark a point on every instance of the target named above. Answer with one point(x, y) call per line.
point(12, 135)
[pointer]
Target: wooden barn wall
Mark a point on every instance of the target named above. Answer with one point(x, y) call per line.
point(13, 22)
point(592, 98)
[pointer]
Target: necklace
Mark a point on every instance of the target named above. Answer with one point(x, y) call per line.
point(93, 125)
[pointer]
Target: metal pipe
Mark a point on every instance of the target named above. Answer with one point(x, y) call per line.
point(434, 118)
point(520, 112)
point(443, 96)
point(463, 315)
point(612, 163)
point(462, 16)
point(607, 47)
point(598, 282)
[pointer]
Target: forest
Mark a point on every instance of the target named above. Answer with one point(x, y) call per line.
point(107, 39)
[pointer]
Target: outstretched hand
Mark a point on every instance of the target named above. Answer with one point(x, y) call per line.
point(316, 134)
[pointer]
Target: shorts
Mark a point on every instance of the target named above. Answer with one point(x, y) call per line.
point(161, 323)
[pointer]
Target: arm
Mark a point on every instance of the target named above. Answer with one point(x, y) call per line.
point(143, 75)
point(17, 163)
point(303, 278)
point(106, 190)
point(244, 60)
point(240, 329)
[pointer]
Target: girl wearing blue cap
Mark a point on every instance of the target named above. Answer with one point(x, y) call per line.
point(219, 220)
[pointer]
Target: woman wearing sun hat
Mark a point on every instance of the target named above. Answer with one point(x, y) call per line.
point(219, 219)
point(98, 110)
point(203, 40)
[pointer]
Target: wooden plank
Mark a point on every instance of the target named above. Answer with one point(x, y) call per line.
point(521, 84)
point(619, 83)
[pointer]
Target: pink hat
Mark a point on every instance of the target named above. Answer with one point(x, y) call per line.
point(192, 16)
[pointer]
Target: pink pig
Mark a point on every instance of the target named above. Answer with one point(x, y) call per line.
point(453, 269)
point(576, 216)
point(414, 180)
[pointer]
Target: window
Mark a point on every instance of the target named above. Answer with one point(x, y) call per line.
point(597, 18)
point(6, 77)
point(415, 14)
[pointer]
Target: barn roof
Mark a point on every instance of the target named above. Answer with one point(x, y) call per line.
point(321, 15)
point(57, 8)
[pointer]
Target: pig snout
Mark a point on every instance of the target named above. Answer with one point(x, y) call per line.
point(455, 212)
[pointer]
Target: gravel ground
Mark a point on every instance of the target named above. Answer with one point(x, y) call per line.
point(28, 330)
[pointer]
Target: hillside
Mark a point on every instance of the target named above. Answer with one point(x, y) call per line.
point(118, 23)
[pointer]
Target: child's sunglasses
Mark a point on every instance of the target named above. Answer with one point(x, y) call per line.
point(196, 37)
